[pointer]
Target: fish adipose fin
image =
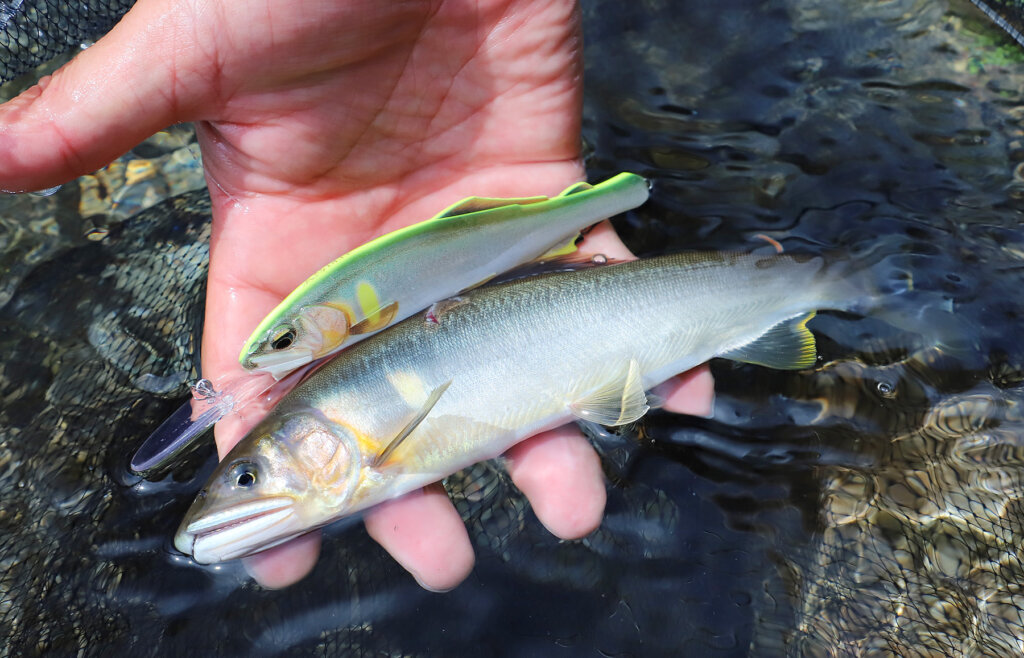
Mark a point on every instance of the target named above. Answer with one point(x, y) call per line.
point(392, 445)
point(621, 402)
point(789, 345)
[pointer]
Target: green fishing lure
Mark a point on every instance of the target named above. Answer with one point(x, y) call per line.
point(390, 278)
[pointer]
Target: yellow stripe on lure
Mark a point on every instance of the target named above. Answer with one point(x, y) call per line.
point(398, 274)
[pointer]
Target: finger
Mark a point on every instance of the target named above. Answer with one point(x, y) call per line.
point(286, 564)
point(692, 392)
point(425, 534)
point(560, 474)
point(105, 101)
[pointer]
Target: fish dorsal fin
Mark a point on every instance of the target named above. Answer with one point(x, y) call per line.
point(376, 321)
point(620, 402)
point(392, 445)
point(789, 345)
point(564, 263)
point(478, 203)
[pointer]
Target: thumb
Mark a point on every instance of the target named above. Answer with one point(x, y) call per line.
point(108, 99)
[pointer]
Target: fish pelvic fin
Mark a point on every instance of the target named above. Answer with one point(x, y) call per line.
point(388, 450)
point(620, 402)
point(789, 345)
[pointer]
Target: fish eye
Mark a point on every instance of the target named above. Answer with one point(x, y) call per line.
point(283, 338)
point(243, 474)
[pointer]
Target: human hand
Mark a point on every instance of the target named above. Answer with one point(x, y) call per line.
point(323, 125)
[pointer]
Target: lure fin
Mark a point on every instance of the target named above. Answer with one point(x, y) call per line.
point(564, 249)
point(392, 445)
point(570, 246)
point(619, 403)
point(789, 345)
point(478, 203)
point(577, 187)
point(376, 321)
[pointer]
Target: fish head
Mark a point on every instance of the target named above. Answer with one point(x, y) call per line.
point(288, 476)
point(289, 339)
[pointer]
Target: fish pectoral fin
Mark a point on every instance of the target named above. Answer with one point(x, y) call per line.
point(621, 402)
point(478, 203)
point(392, 445)
point(376, 321)
point(789, 345)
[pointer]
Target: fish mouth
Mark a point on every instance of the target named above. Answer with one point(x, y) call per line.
point(239, 530)
point(280, 364)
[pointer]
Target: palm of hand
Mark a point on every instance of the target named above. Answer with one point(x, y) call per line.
point(462, 103)
point(323, 125)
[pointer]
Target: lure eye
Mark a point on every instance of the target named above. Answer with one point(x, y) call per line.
point(243, 474)
point(283, 338)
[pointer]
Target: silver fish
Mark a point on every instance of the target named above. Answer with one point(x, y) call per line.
point(475, 374)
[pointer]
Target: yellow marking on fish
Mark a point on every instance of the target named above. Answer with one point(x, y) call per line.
point(367, 446)
point(410, 387)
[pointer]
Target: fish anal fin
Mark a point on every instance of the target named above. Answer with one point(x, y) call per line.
point(479, 203)
point(620, 402)
point(388, 450)
point(789, 345)
point(376, 321)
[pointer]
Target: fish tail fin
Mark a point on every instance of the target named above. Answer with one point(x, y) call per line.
point(886, 288)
